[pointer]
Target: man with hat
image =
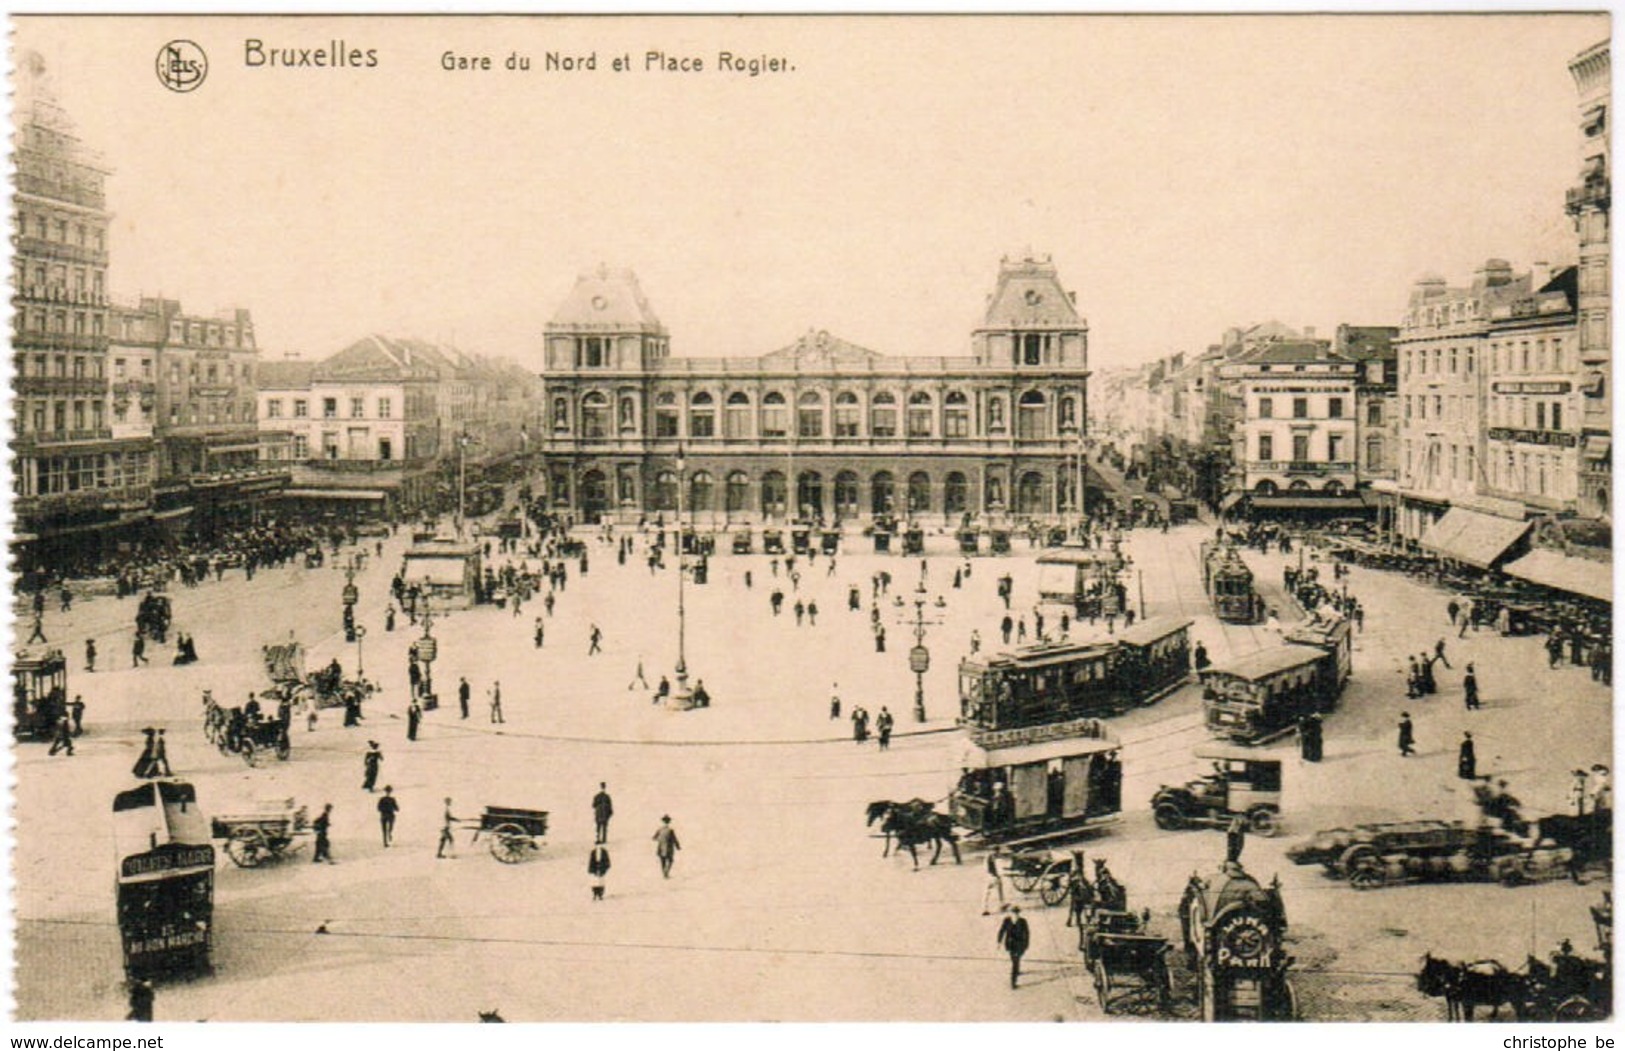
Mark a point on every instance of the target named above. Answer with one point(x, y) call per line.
point(1467, 759)
point(1407, 735)
point(666, 845)
point(1015, 936)
point(388, 807)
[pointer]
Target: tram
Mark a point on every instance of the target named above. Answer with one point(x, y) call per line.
point(1084, 580)
point(1262, 695)
point(1051, 683)
point(165, 880)
point(39, 694)
point(1042, 783)
point(1229, 584)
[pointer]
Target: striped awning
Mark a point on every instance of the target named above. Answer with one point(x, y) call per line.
point(1473, 537)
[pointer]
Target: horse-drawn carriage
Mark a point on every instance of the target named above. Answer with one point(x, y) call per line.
point(743, 542)
point(327, 688)
point(1037, 784)
point(153, 616)
point(1568, 988)
point(272, 831)
point(1129, 964)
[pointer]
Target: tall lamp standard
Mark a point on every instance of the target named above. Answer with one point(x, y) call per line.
point(462, 448)
point(360, 666)
point(682, 698)
point(919, 657)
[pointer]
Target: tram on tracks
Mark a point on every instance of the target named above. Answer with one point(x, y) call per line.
point(1040, 783)
point(1057, 682)
point(165, 881)
point(39, 694)
point(1229, 584)
point(1085, 581)
point(1262, 695)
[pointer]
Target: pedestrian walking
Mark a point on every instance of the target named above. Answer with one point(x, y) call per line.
point(812, 614)
point(880, 638)
point(883, 726)
point(138, 649)
point(1021, 630)
point(593, 639)
point(1467, 758)
point(77, 710)
point(1407, 735)
point(598, 869)
point(1469, 689)
point(860, 724)
point(324, 848)
point(1006, 626)
point(90, 655)
point(1202, 660)
point(834, 702)
point(160, 757)
point(388, 807)
point(800, 611)
point(448, 826)
point(496, 702)
point(39, 628)
point(638, 681)
point(64, 736)
point(995, 880)
point(463, 693)
point(141, 1001)
point(1438, 653)
point(414, 716)
point(1454, 609)
point(143, 763)
point(1235, 838)
point(666, 845)
point(370, 762)
point(1015, 936)
point(540, 633)
point(603, 808)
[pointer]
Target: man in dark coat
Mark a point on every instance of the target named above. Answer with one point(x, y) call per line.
point(1467, 759)
point(1015, 936)
point(414, 716)
point(320, 827)
point(666, 846)
point(463, 692)
point(388, 807)
point(1407, 735)
point(602, 810)
point(1469, 686)
point(598, 868)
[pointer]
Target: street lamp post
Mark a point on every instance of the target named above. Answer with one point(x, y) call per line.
point(462, 446)
point(360, 665)
point(682, 698)
point(919, 658)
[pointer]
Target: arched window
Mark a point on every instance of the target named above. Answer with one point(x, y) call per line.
point(738, 490)
point(919, 415)
point(664, 497)
point(810, 494)
point(595, 415)
point(846, 494)
point(846, 415)
point(810, 415)
point(666, 415)
point(773, 494)
point(1265, 487)
point(954, 493)
point(1030, 493)
point(882, 493)
point(1298, 485)
point(956, 415)
point(736, 418)
point(775, 417)
point(1334, 487)
point(699, 491)
point(702, 416)
point(1030, 416)
point(883, 416)
point(919, 493)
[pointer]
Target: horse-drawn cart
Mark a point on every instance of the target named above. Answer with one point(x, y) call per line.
point(1129, 965)
point(512, 832)
point(270, 833)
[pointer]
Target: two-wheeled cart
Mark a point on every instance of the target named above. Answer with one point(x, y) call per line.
point(511, 832)
point(269, 833)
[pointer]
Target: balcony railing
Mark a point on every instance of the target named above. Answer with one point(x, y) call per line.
point(72, 386)
point(39, 186)
point(42, 248)
point(113, 498)
point(63, 437)
point(57, 341)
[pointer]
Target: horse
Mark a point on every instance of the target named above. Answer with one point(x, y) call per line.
point(915, 824)
point(1589, 839)
point(1467, 986)
point(1109, 894)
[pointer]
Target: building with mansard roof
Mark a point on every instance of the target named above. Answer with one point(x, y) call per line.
point(821, 429)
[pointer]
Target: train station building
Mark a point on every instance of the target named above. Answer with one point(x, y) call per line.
point(821, 429)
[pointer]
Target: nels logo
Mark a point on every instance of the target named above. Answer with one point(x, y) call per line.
point(182, 65)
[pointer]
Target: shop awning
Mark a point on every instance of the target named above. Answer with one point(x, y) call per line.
point(1598, 446)
point(1308, 503)
point(1578, 576)
point(333, 494)
point(1473, 537)
point(1231, 500)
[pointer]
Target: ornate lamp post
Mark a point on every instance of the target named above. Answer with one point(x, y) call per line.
point(462, 448)
point(682, 698)
point(360, 666)
point(349, 597)
point(425, 650)
point(919, 657)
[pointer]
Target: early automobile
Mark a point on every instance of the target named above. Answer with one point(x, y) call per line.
point(1241, 783)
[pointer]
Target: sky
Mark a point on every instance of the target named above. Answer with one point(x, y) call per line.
point(1185, 174)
